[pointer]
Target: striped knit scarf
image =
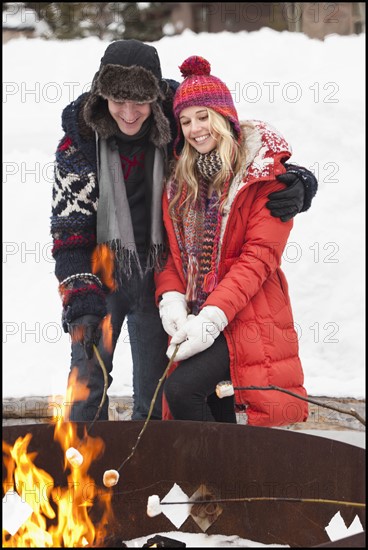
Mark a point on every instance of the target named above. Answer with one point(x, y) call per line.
point(198, 234)
point(208, 164)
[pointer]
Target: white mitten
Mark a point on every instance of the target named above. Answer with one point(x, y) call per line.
point(198, 333)
point(173, 311)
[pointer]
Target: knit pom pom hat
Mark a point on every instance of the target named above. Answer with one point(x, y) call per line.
point(204, 90)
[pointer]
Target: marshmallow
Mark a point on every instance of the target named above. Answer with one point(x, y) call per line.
point(153, 506)
point(74, 457)
point(110, 478)
point(224, 389)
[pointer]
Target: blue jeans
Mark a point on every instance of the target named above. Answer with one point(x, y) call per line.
point(148, 342)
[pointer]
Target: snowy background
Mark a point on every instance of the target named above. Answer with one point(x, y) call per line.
point(311, 91)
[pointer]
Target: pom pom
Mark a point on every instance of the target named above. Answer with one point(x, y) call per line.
point(195, 65)
point(110, 478)
point(153, 506)
point(224, 389)
point(74, 457)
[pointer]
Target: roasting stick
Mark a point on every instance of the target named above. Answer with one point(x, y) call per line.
point(223, 389)
point(74, 457)
point(154, 504)
point(226, 388)
point(106, 383)
point(111, 477)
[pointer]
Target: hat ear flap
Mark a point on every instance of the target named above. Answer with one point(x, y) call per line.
point(96, 115)
point(161, 133)
point(94, 81)
point(165, 88)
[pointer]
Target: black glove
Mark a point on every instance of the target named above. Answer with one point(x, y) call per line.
point(86, 330)
point(286, 203)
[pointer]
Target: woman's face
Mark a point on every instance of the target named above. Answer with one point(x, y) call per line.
point(195, 126)
point(128, 115)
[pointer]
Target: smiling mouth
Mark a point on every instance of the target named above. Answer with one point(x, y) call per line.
point(129, 121)
point(201, 138)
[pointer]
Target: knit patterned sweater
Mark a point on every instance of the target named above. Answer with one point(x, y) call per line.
point(75, 197)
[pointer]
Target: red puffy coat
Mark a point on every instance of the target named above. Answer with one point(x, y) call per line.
point(252, 290)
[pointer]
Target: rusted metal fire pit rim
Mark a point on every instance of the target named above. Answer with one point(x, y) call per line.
point(185, 452)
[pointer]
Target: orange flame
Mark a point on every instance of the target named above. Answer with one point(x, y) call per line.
point(69, 505)
point(103, 265)
point(106, 327)
point(77, 334)
point(76, 391)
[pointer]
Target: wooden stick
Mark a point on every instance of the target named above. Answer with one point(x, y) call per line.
point(151, 407)
point(103, 398)
point(271, 499)
point(106, 382)
point(352, 412)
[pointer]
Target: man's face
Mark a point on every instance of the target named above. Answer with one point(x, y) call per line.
point(128, 115)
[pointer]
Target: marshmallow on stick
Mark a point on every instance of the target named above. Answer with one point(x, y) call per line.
point(74, 457)
point(224, 389)
point(153, 506)
point(110, 478)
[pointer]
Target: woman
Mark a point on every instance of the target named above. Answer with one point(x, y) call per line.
point(222, 295)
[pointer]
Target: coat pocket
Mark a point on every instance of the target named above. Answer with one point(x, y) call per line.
point(283, 284)
point(275, 293)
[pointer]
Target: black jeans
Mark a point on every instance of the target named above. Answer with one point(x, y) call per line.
point(190, 389)
point(148, 342)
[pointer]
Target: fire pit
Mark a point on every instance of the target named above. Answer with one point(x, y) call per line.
point(281, 473)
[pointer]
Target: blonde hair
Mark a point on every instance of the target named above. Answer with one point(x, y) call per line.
point(186, 173)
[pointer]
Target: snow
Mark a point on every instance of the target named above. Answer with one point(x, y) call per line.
point(336, 530)
point(18, 17)
point(311, 91)
point(198, 540)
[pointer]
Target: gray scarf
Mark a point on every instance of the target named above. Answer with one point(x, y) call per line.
point(114, 224)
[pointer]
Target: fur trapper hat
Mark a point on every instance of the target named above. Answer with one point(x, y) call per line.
point(130, 71)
